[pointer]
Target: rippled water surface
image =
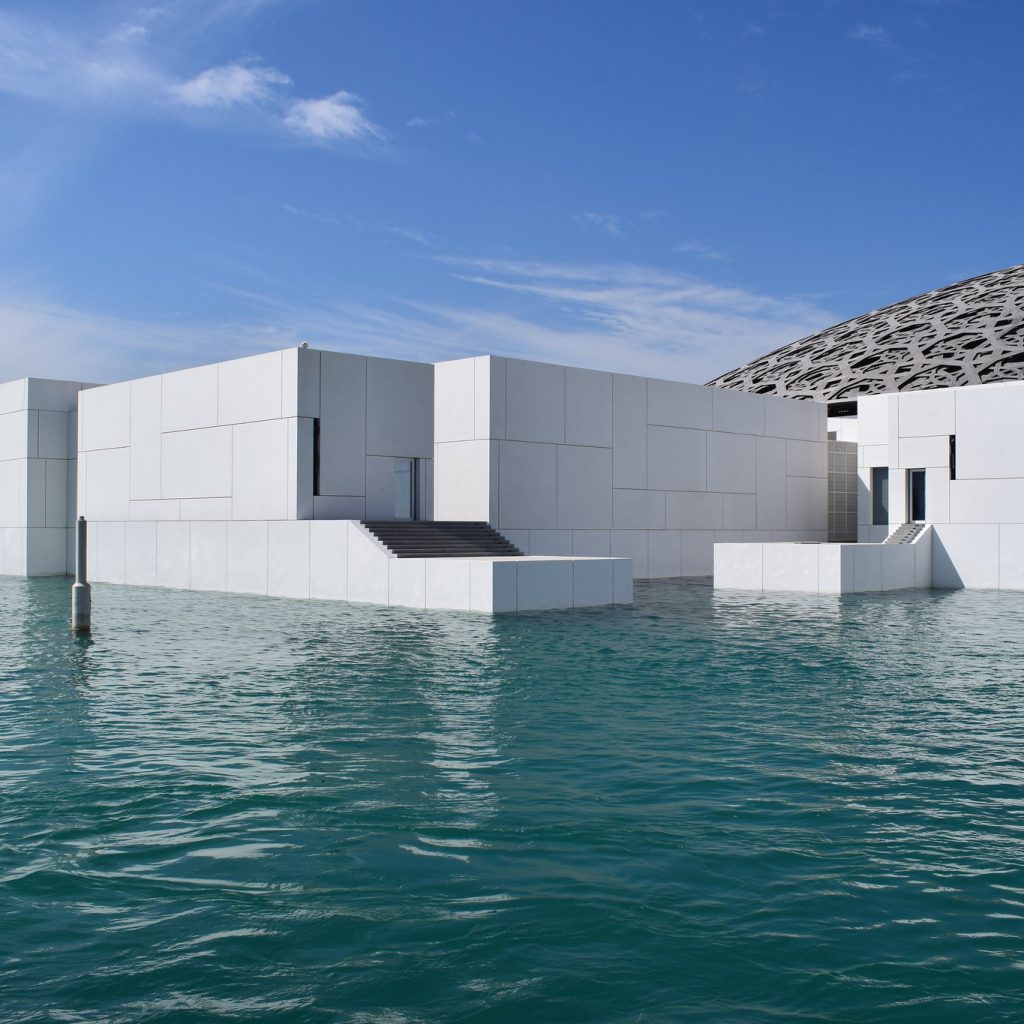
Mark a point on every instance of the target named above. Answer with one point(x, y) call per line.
point(707, 807)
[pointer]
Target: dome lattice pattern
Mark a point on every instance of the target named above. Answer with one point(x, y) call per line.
point(966, 333)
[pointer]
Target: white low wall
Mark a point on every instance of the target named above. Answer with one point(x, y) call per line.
point(825, 568)
point(339, 560)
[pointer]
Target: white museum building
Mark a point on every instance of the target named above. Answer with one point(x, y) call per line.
point(881, 454)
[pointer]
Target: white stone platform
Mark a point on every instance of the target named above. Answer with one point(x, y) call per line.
point(341, 560)
point(825, 568)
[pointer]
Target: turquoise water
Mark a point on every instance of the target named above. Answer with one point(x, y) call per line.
point(707, 807)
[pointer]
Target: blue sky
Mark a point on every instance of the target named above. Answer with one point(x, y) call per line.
point(660, 187)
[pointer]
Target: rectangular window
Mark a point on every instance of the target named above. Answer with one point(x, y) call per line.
point(316, 457)
point(915, 495)
point(880, 496)
point(952, 456)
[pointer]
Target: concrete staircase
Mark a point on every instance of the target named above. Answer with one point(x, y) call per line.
point(441, 540)
point(905, 534)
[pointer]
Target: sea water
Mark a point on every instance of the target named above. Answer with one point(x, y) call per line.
point(709, 807)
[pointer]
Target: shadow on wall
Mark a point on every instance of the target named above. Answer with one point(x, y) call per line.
point(944, 572)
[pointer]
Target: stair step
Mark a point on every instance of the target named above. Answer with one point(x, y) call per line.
point(448, 539)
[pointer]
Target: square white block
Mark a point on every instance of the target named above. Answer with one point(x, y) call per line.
point(738, 566)
point(790, 567)
point(196, 464)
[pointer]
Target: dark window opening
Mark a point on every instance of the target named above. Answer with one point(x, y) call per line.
point(880, 496)
point(316, 457)
point(915, 489)
point(952, 456)
point(842, 408)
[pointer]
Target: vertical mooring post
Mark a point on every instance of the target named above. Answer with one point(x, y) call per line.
point(81, 592)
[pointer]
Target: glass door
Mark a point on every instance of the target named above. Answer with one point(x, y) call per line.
point(405, 488)
point(915, 495)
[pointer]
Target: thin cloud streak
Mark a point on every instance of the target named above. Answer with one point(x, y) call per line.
point(620, 317)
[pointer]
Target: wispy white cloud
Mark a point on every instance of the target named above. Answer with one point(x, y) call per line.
point(700, 250)
point(621, 317)
point(119, 70)
point(411, 234)
point(228, 85)
point(876, 35)
point(609, 223)
point(333, 117)
point(429, 122)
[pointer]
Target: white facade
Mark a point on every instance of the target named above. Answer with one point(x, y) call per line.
point(253, 475)
point(38, 451)
point(977, 517)
point(567, 461)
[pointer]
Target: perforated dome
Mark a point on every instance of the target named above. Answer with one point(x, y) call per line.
point(966, 333)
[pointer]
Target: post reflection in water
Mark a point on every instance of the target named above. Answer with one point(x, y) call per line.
point(709, 806)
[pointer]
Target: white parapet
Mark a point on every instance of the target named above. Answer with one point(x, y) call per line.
point(341, 560)
point(825, 568)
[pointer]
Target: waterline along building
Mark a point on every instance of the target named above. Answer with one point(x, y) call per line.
point(884, 453)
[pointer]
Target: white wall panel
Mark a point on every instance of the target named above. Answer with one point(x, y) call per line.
point(535, 401)
point(53, 436)
point(145, 399)
point(105, 417)
point(380, 487)
point(873, 420)
point(107, 552)
point(732, 462)
point(196, 463)
point(588, 407)
point(208, 556)
point(924, 413)
point(367, 568)
point(800, 419)
point(462, 470)
point(250, 389)
point(698, 552)
point(631, 544)
point(527, 476)
point(13, 396)
point(638, 510)
point(805, 458)
point(172, 555)
point(629, 431)
point(677, 459)
point(593, 583)
point(541, 585)
point(247, 557)
point(551, 542)
point(664, 553)
point(140, 554)
point(13, 474)
point(14, 436)
point(584, 488)
point(591, 543)
point(739, 512)
point(936, 496)
point(985, 501)
point(447, 582)
point(189, 399)
point(399, 408)
point(965, 555)
point(693, 510)
point(407, 582)
point(455, 400)
point(288, 559)
point(56, 493)
point(771, 483)
point(342, 424)
point(259, 470)
point(990, 424)
point(106, 494)
point(806, 503)
point(670, 404)
point(328, 560)
point(737, 411)
point(922, 452)
point(45, 551)
point(1011, 556)
point(300, 382)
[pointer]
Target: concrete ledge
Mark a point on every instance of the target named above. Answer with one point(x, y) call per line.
point(825, 568)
